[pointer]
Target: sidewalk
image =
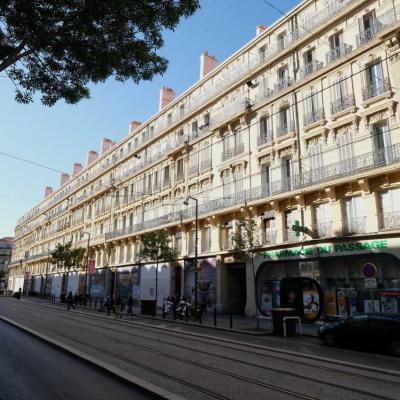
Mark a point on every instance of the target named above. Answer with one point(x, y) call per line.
point(223, 321)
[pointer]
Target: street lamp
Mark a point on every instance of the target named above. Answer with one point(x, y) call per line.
point(87, 259)
point(186, 203)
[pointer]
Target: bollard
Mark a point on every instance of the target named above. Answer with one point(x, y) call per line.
point(230, 320)
point(215, 315)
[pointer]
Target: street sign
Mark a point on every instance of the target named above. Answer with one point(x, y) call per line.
point(370, 283)
point(369, 270)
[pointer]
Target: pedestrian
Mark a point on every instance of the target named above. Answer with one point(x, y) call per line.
point(19, 293)
point(118, 306)
point(70, 301)
point(130, 306)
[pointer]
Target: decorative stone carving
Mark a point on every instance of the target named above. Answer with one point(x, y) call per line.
point(331, 193)
point(364, 184)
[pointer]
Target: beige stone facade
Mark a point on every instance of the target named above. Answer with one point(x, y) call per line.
point(300, 126)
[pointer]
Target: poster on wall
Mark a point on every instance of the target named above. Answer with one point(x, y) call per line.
point(390, 303)
point(270, 297)
point(347, 302)
point(371, 306)
point(311, 303)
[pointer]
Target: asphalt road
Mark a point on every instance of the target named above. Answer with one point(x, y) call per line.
point(210, 364)
point(31, 369)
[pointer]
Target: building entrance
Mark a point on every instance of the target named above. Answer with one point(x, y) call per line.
point(236, 288)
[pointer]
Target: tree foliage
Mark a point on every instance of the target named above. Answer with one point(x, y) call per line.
point(157, 247)
point(246, 239)
point(65, 255)
point(57, 47)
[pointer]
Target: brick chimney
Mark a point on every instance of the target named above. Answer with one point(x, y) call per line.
point(166, 96)
point(92, 155)
point(207, 64)
point(64, 178)
point(106, 145)
point(76, 168)
point(260, 29)
point(134, 125)
point(48, 191)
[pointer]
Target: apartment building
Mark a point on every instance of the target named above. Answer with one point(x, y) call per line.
point(5, 259)
point(298, 130)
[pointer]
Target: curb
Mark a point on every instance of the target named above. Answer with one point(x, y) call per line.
point(156, 391)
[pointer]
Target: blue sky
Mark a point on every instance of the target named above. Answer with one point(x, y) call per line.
point(63, 134)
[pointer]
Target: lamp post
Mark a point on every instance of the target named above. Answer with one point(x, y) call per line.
point(186, 203)
point(87, 259)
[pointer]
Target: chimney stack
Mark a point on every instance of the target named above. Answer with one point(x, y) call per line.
point(92, 155)
point(207, 64)
point(260, 29)
point(64, 178)
point(106, 145)
point(134, 125)
point(166, 96)
point(76, 168)
point(48, 191)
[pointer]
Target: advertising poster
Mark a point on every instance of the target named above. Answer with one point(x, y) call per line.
point(390, 304)
point(330, 303)
point(371, 306)
point(311, 303)
point(97, 285)
point(123, 281)
point(270, 296)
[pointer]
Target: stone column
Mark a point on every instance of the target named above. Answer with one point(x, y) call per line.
point(371, 214)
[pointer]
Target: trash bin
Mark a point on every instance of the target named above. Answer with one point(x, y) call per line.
point(277, 320)
point(148, 307)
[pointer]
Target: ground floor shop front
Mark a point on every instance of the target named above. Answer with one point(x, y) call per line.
point(334, 279)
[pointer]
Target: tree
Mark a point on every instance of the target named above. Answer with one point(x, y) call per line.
point(57, 47)
point(157, 247)
point(246, 241)
point(65, 255)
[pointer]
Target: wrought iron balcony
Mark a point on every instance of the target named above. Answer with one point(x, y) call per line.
point(283, 84)
point(390, 221)
point(310, 68)
point(381, 87)
point(352, 226)
point(264, 138)
point(338, 52)
point(232, 151)
point(314, 116)
point(284, 129)
point(343, 104)
point(323, 229)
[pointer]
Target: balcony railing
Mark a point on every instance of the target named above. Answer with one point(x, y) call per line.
point(310, 68)
point(343, 104)
point(283, 84)
point(314, 116)
point(381, 87)
point(265, 138)
point(232, 152)
point(323, 229)
point(284, 129)
point(352, 226)
point(338, 52)
point(390, 221)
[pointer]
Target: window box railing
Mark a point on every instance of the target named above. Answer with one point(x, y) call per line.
point(264, 138)
point(381, 87)
point(338, 52)
point(310, 68)
point(354, 225)
point(390, 221)
point(323, 229)
point(314, 116)
point(343, 104)
point(232, 152)
point(284, 129)
point(283, 84)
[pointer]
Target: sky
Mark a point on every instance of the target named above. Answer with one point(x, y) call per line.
point(60, 135)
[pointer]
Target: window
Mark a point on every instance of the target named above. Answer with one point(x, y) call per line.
point(179, 169)
point(194, 127)
point(265, 131)
point(316, 170)
point(354, 217)
point(284, 121)
point(269, 229)
point(345, 145)
point(181, 110)
point(314, 112)
point(166, 176)
point(383, 153)
point(206, 120)
point(283, 74)
point(368, 26)
point(308, 56)
point(286, 174)
point(390, 209)
point(292, 218)
point(205, 156)
point(169, 119)
point(323, 220)
point(375, 82)
point(206, 242)
point(341, 99)
point(281, 40)
point(262, 53)
point(266, 180)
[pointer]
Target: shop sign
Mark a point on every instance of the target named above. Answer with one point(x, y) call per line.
point(330, 249)
point(370, 283)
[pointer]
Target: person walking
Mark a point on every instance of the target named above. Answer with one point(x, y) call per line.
point(70, 301)
point(118, 306)
point(130, 306)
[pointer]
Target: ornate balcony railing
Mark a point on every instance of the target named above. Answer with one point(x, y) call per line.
point(354, 225)
point(323, 229)
point(343, 104)
point(232, 152)
point(310, 68)
point(390, 221)
point(381, 87)
point(284, 129)
point(264, 138)
point(314, 116)
point(283, 84)
point(338, 52)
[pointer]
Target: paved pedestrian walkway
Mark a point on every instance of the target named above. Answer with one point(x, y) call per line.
point(222, 321)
